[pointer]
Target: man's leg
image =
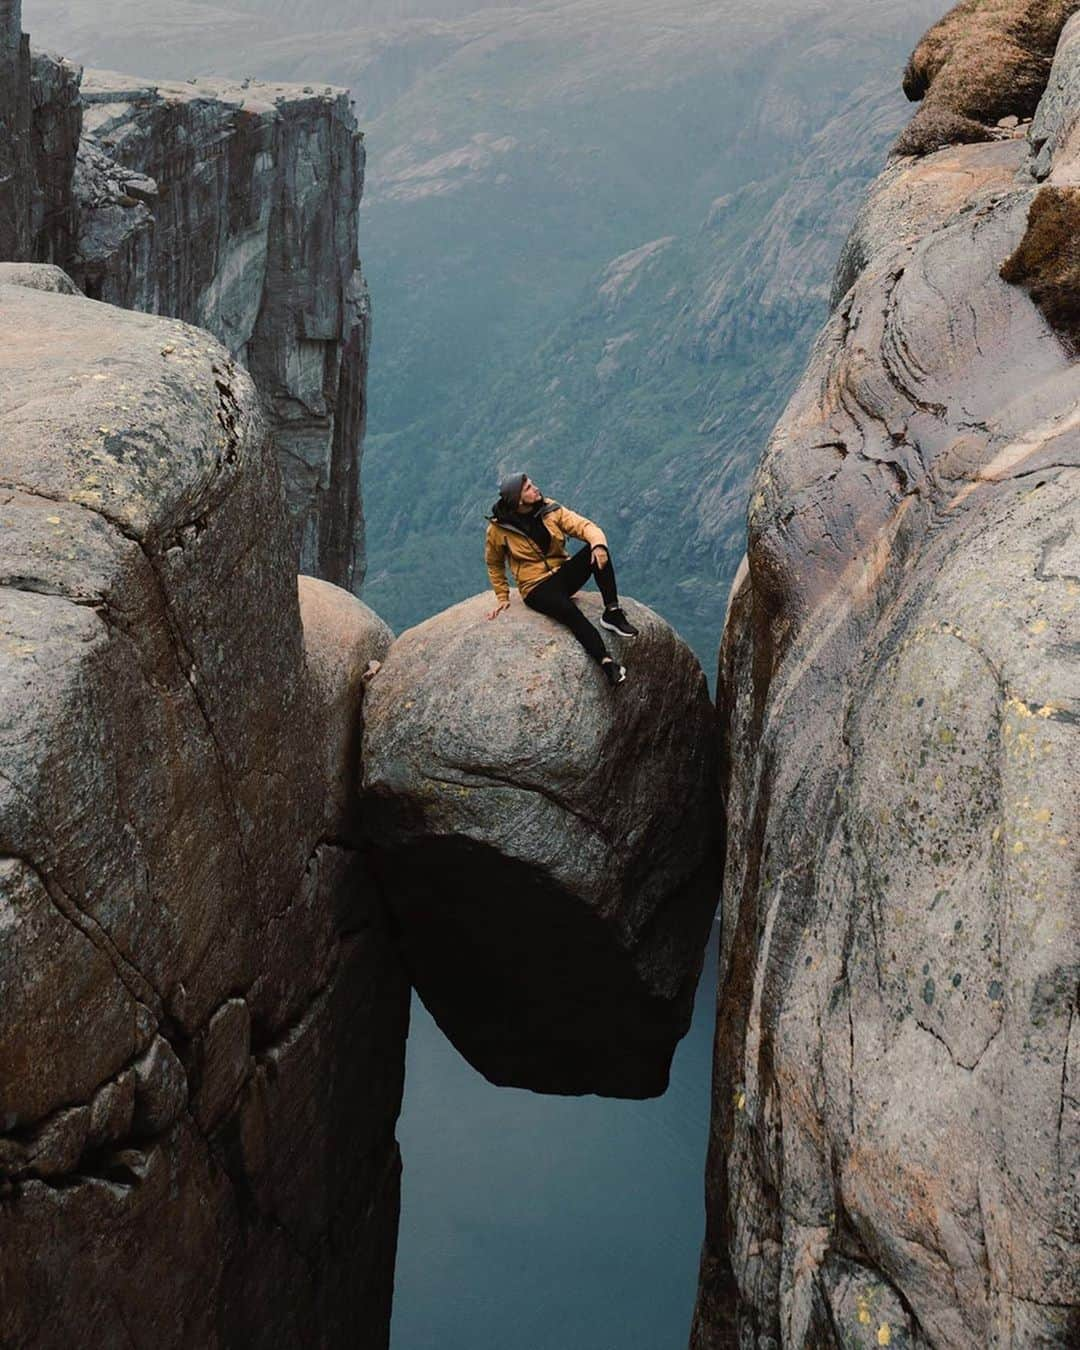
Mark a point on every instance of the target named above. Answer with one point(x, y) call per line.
point(553, 601)
point(573, 575)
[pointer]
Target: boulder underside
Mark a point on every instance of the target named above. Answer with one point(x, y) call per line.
point(544, 842)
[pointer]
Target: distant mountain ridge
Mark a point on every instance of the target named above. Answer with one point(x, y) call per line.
point(513, 155)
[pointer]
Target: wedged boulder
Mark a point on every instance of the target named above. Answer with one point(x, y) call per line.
point(544, 841)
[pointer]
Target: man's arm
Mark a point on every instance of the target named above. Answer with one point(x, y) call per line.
point(579, 526)
point(495, 558)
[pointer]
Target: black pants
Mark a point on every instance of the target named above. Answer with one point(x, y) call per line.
point(552, 597)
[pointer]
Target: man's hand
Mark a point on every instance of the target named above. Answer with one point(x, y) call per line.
point(503, 604)
point(598, 550)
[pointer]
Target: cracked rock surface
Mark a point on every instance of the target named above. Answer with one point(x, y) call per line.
point(545, 840)
point(201, 1047)
point(896, 1115)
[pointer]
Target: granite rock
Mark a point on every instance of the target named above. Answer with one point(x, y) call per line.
point(204, 1014)
point(233, 205)
point(55, 126)
point(16, 163)
point(546, 841)
point(896, 1115)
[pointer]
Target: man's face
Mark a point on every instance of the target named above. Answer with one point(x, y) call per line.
point(530, 493)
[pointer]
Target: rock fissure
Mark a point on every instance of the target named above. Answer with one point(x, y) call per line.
point(134, 981)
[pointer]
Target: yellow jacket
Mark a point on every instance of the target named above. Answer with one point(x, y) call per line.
point(528, 565)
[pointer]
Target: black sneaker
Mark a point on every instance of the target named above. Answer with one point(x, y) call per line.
point(617, 621)
point(614, 672)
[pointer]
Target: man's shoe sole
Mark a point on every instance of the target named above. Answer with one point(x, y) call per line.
point(613, 628)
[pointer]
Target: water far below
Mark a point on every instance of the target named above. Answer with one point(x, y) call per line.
point(550, 1223)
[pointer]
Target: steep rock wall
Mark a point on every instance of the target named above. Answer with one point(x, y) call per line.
point(15, 160)
point(229, 205)
point(896, 1111)
point(55, 126)
point(234, 206)
point(202, 1046)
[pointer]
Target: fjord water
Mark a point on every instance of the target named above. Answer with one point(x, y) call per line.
point(549, 1223)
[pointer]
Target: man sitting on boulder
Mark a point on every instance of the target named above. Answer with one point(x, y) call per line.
point(531, 529)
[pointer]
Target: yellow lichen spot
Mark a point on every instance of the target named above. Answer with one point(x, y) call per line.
point(1018, 847)
point(1047, 710)
point(884, 1335)
point(939, 783)
point(53, 520)
point(945, 736)
point(740, 1102)
point(1039, 626)
point(995, 833)
point(864, 1315)
point(104, 431)
point(1042, 815)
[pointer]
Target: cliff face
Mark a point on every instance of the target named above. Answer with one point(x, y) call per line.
point(234, 206)
point(231, 206)
point(15, 161)
point(896, 1112)
point(202, 1047)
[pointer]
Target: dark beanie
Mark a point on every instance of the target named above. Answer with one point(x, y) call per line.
point(510, 489)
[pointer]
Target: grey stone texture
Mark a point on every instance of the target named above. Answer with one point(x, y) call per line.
point(16, 173)
point(233, 205)
point(230, 205)
point(55, 126)
point(896, 1119)
point(546, 840)
point(202, 1041)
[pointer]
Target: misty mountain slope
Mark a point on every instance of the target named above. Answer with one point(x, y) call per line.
point(513, 154)
point(645, 405)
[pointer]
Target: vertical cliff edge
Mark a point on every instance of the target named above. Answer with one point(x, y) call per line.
point(204, 1015)
point(228, 204)
point(203, 1009)
point(896, 1113)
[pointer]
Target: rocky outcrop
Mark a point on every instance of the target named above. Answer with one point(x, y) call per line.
point(980, 63)
point(233, 206)
point(55, 126)
point(229, 205)
point(204, 1016)
point(896, 1106)
point(16, 176)
point(548, 841)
